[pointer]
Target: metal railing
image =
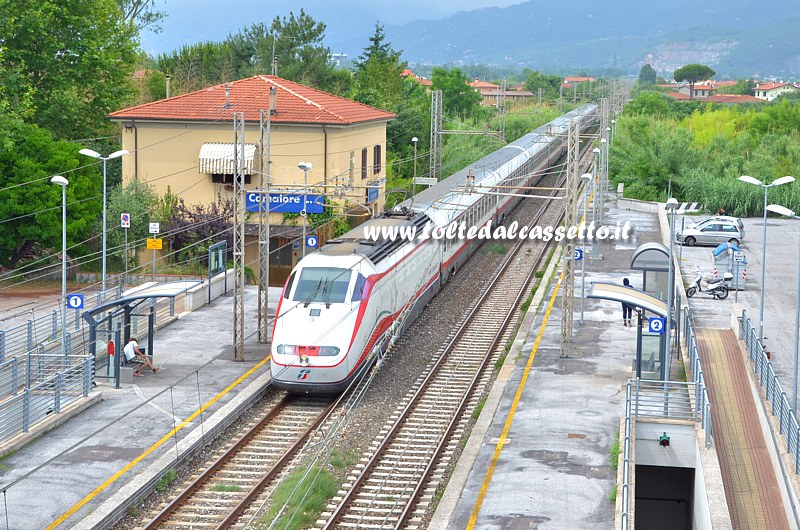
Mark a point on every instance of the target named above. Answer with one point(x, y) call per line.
point(40, 385)
point(26, 337)
point(775, 394)
point(665, 399)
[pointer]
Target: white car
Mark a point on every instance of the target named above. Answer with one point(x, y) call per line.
point(713, 231)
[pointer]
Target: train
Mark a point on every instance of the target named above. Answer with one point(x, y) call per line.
point(343, 305)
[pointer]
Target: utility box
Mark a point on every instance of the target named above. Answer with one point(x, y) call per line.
point(729, 258)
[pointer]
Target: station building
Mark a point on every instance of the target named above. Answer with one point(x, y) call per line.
point(186, 143)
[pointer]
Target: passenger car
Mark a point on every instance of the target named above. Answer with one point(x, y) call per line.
point(713, 231)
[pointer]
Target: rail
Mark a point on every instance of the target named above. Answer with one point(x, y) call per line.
point(762, 366)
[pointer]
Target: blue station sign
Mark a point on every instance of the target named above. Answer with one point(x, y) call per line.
point(285, 203)
point(373, 194)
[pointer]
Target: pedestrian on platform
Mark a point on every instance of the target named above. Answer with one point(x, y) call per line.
point(134, 355)
point(627, 310)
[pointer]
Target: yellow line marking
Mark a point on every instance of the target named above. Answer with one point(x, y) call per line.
point(476, 510)
point(473, 518)
point(66, 515)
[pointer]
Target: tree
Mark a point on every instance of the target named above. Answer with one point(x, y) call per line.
point(142, 13)
point(377, 81)
point(550, 84)
point(71, 58)
point(135, 199)
point(692, 73)
point(647, 75)
point(457, 96)
point(30, 206)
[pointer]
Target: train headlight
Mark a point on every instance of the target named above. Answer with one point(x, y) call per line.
point(286, 349)
point(328, 351)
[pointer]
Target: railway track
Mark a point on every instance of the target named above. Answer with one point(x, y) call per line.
point(397, 485)
point(225, 490)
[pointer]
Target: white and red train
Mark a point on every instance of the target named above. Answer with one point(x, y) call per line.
point(341, 306)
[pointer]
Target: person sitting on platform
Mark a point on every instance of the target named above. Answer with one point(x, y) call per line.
point(134, 355)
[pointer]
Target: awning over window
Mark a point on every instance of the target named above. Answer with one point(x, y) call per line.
point(217, 158)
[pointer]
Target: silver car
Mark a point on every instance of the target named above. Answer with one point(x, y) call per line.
point(713, 231)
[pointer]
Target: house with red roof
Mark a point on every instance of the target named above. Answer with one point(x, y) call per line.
point(702, 89)
point(185, 143)
point(771, 90)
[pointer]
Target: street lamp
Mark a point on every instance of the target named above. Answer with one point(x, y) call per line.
point(670, 206)
point(306, 167)
point(414, 185)
point(95, 154)
point(61, 181)
point(777, 182)
point(599, 198)
point(782, 210)
point(613, 129)
point(603, 175)
point(586, 178)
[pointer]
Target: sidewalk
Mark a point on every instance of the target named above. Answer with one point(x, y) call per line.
point(128, 428)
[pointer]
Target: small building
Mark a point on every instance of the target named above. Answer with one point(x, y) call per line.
point(770, 91)
point(186, 143)
point(702, 89)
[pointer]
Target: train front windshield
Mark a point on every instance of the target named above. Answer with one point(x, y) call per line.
point(322, 284)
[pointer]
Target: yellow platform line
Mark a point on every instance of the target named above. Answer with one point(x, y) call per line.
point(66, 515)
point(473, 518)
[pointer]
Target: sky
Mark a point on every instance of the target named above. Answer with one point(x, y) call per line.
point(191, 21)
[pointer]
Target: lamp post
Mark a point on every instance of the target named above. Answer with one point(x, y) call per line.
point(613, 129)
point(603, 175)
point(306, 167)
point(95, 154)
point(586, 178)
point(596, 153)
point(414, 140)
point(61, 181)
point(782, 210)
point(777, 182)
point(670, 206)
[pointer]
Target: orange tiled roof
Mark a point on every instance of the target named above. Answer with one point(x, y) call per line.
point(716, 98)
point(488, 92)
point(770, 85)
point(574, 79)
point(480, 85)
point(295, 103)
point(406, 73)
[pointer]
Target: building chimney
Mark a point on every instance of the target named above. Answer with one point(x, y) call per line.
point(272, 94)
point(275, 66)
point(227, 96)
point(167, 78)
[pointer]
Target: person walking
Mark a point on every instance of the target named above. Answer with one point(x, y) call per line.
point(627, 310)
point(134, 355)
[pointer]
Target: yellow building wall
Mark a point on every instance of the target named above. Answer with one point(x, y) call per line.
point(166, 155)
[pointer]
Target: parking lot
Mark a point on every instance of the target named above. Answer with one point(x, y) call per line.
point(780, 299)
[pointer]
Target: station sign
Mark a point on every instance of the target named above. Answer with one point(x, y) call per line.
point(656, 325)
point(578, 254)
point(312, 241)
point(75, 301)
point(153, 244)
point(285, 203)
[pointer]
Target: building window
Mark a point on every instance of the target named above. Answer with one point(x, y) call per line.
point(376, 159)
point(226, 178)
point(364, 163)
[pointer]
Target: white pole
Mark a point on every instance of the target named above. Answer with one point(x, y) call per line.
point(64, 270)
point(103, 295)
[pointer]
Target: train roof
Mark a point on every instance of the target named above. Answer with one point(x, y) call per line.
point(449, 194)
point(354, 242)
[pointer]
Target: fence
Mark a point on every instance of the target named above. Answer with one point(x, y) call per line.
point(27, 337)
point(665, 399)
point(772, 388)
point(35, 386)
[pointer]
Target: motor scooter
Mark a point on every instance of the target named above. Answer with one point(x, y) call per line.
point(717, 288)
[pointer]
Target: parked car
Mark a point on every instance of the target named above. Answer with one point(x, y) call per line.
point(713, 231)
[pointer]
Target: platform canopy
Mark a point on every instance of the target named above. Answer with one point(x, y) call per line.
point(160, 290)
point(630, 296)
point(650, 257)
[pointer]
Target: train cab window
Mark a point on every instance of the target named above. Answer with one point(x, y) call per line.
point(358, 289)
point(322, 284)
point(289, 286)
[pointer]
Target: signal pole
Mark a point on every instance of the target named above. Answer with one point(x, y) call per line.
point(238, 236)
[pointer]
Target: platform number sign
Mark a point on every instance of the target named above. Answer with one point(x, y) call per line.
point(75, 301)
point(578, 254)
point(124, 220)
point(312, 241)
point(656, 325)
